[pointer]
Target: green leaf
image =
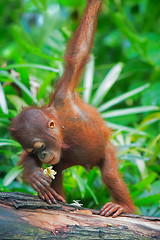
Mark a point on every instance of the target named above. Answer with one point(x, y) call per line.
point(156, 142)
point(88, 80)
point(122, 97)
point(44, 85)
point(3, 115)
point(129, 111)
point(141, 165)
point(92, 193)
point(125, 129)
point(107, 83)
point(155, 187)
point(147, 200)
point(134, 157)
point(80, 182)
point(30, 65)
point(151, 96)
point(4, 142)
point(145, 182)
point(19, 84)
point(41, 4)
point(3, 103)
point(11, 175)
point(71, 3)
point(128, 30)
point(25, 42)
point(152, 118)
point(17, 102)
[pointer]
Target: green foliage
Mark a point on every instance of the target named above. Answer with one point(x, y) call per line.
point(121, 80)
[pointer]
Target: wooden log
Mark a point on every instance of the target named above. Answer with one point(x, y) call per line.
point(24, 216)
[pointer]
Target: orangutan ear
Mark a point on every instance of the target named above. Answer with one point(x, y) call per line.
point(51, 124)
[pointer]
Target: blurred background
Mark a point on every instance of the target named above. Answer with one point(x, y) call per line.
point(122, 80)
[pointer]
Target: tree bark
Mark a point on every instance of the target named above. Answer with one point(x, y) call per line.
point(24, 216)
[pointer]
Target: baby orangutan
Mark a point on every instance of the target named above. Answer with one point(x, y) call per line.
point(68, 131)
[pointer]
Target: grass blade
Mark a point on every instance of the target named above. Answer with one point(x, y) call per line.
point(10, 142)
point(145, 182)
point(156, 145)
point(88, 80)
point(3, 103)
point(122, 97)
point(11, 175)
point(80, 182)
point(107, 83)
point(20, 85)
point(16, 101)
point(45, 84)
point(125, 129)
point(31, 65)
point(129, 111)
point(147, 200)
point(92, 193)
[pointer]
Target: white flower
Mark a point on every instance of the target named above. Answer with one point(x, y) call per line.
point(50, 172)
point(76, 203)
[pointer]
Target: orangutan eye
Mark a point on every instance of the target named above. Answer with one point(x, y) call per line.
point(52, 124)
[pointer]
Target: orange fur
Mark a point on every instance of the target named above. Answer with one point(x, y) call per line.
point(80, 136)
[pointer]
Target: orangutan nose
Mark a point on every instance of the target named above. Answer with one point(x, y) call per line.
point(38, 145)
